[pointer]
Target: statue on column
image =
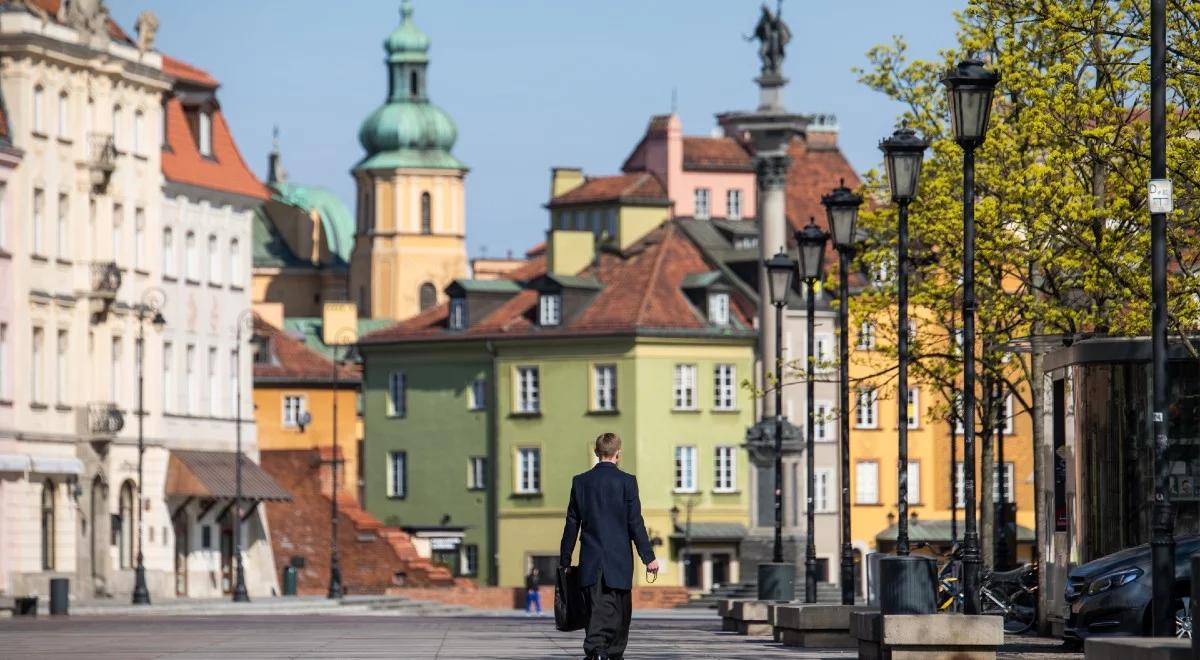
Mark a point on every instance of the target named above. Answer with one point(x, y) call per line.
point(773, 36)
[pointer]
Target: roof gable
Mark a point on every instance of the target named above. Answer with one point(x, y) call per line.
point(636, 187)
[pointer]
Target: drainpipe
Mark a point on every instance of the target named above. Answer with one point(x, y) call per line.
point(493, 452)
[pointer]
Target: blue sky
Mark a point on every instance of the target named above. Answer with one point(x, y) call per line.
point(531, 83)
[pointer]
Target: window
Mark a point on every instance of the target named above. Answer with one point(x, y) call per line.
point(822, 424)
point(610, 223)
point(702, 208)
point(529, 470)
point(824, 361)
point(3, 361)
point(478, 395)
point(138, 121)
point(550, 309)
point(414, 84)
point(822, 478)
point(214, 386)
point(960, 501)
point(168, 255)
point(116, 357)
point(64, 124)
point(470, 560)
point(3, 216)
point(426, 214)
point(168, 377)
point(35, 373)
point(214, 261)
point(718, 309)
point(866, 409)
point(116, 126)
point(39, 209)
point(204, 136)
point(725, 475)
point(427, 296)
point(397, 474)
point(192, 260)
point(685, 469)
point(733, 204)
point(958, 341)
point(60, 369)
point(914, 482)
point(48, 530)
point(604, 387)
point(866, 482)
point(235, 372)
point(63, 235)
point(235, 263)
point(866, 336)
point(745, 243)
point(397, 403)
point(139, 238)
point(914, 408)
point(1005, 421)
point(477, 473)
point(124, 537)
point(685, 387)
point(527, 390)
point(725, 385)
point(38, 103)
point(458, 313)
point(118, 216)
point(189, 381)
point(294, 407)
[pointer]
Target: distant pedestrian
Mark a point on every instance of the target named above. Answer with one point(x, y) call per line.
point(605, 512)
point(533, 593)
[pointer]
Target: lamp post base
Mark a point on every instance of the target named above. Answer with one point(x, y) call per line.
point(777, 581)
point(239, 590)
point(141, 595)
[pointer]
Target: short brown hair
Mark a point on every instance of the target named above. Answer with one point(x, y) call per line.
point(607, 445)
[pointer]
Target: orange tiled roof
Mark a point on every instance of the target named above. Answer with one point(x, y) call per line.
point(642, 290)
point(719, 153)
point(181, 160)
point(814, 173)
point(292, 360)
point(633, 186)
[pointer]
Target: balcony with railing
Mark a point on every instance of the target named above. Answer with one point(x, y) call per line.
point(106, 281)
point(100, 420)
point(102, 160)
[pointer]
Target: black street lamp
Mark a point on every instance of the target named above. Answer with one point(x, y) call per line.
point(780, 584)
point(150, 309)
point(343, 337)
point(902, 152)
point(812, 243)
point(1162, 538)
point(970, 87)
point(841, 207)
point(245, 323)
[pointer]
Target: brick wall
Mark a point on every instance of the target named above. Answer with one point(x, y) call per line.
point(504, 598)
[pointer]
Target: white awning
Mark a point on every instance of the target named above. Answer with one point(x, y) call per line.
point(57, 465)
point(14, 463)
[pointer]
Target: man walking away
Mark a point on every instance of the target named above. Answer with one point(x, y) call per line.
point(605, 512)
point(533, 594)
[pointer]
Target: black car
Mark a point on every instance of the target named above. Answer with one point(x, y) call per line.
point(1111, 595)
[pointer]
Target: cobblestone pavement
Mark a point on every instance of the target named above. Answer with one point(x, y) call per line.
point(405, 638)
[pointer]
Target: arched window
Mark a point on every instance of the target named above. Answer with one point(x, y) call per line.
point(168, 254)
point(138, 122)
point(38, 95)
point(414, 84)
point(124, 540)
point(48, 526)
point(428, 296)
point(426, 214)
point(235, 263)
point(192, 261)
point(116, 126)
point(64, 123)
point(98, 512)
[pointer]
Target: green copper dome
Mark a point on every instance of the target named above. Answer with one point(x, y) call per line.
point(408, 131)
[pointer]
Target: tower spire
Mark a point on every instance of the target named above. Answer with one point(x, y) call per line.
point(275, 171)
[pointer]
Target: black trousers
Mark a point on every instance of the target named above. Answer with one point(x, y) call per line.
point(609, 611)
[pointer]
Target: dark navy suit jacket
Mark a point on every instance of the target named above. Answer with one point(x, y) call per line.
point(606, 513)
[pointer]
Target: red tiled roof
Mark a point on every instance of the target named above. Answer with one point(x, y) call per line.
point(632, 186)
point(291, 359)
point(184, 71)
point(641, 291)
point(181, 160)
point(536, 251)
point(814, 173)
point(719, 153)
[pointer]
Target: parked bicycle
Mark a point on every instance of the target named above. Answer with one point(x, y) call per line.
point(1012, 595)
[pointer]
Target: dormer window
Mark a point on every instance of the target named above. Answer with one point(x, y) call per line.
point(718, 309)
point(458, 313)
point(204, 134)
point(550, 309)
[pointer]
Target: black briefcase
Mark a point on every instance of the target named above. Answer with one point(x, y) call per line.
point(570, 611)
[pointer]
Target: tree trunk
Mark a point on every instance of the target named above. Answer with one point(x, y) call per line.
point(985, 475)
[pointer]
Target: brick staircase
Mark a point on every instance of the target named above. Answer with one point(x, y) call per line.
point(373, 557)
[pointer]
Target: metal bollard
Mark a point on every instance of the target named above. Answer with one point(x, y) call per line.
point(60, 595)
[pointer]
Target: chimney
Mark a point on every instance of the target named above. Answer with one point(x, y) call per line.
point(564, 180)
point(821, 134)
point(568, 251)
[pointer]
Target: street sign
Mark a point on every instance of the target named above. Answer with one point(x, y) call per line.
point(1162, 199)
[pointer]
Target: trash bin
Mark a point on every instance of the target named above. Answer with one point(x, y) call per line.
point(907, 585)
point(25, 606)
point(289, 581)
point(60, 595)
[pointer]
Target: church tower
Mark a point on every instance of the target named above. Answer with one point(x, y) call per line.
point(411, 224)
